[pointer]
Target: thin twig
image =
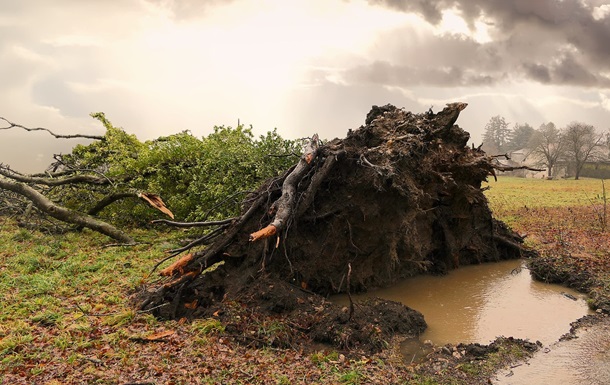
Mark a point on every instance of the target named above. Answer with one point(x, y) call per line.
point(194, 224)
point(349, 291)
point(89, 314)
point(59, 136)
point(200, 241)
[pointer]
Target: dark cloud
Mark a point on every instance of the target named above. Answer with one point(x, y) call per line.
point(382, 72)
point(537, 72)
point(570, 71)
point(530, 41)
point(430, 10)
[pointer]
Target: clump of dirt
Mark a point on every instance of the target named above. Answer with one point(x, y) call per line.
point(474, 363)
point(396, 197)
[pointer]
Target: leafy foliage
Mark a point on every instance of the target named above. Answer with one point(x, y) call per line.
point(197, 178)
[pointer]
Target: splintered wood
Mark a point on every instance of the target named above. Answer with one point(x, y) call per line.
point(177, 267)
point(155, 201)
point(263, 233)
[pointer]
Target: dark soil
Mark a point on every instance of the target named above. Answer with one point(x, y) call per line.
point(397, 197)
point(567, 269)
point(473, 364)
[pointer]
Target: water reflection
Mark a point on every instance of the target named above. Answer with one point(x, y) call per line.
point(478, 303)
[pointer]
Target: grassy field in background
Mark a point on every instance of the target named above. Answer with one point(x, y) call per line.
point(566, 221)
point(512, 193)
point(535, 205)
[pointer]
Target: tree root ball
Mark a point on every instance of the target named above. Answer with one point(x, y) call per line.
point(397, 197)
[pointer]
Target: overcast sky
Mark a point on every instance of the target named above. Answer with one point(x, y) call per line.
point(157, 67)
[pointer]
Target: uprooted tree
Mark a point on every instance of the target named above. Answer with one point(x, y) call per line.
point(399, 196)
point(95, 185)
point(396, 197)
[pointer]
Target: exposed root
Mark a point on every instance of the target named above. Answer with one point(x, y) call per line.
point(263, 233)
point(177, 268)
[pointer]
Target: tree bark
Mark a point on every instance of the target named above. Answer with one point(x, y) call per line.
point(285, 205)
point(90, 179)
point(62, 213)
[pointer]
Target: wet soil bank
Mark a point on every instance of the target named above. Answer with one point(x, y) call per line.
point(581, 272)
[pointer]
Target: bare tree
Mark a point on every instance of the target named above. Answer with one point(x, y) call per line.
point(548, 146)
point(582, 143)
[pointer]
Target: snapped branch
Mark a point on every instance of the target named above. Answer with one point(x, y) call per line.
point(195, 224)
point(285, 205)
point(508, 168)
point(59, 136)
point(63, 214)
point(75, 179)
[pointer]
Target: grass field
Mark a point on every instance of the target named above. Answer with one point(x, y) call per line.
point(512, 193)
point(531, 204)
point(66, 317)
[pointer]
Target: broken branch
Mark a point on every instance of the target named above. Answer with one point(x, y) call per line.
point(286, 203)
point(59, 136)
point(195, 224)
point(508, 168)
point(62, 213)
point(90, 179)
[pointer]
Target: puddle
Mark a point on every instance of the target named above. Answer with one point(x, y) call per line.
point(584, 360)
point(480, 302)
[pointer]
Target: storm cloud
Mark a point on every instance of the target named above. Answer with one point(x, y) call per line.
point(158, 67)
point(547, 41)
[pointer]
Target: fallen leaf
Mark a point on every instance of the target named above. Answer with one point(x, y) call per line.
point(154, 337)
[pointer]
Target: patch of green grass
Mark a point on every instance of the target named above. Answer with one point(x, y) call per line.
point(207, 326)
point(283, 380)
point(320, 358)
point(510, 193)
point(46, 318)
point(353, 377)
point(50, 284)
point(120, 319)
point(507, 352)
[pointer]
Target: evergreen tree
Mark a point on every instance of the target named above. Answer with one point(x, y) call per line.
point(520, 136)
point(496, 133)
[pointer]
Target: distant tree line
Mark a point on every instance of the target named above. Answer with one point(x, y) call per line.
point(548, 146)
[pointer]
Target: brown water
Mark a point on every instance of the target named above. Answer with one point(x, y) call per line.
point(480, 302)
point(580, 361)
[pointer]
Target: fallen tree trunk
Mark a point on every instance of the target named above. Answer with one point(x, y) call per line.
point(399, 196)
point(64, 214)
point(22, 185)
